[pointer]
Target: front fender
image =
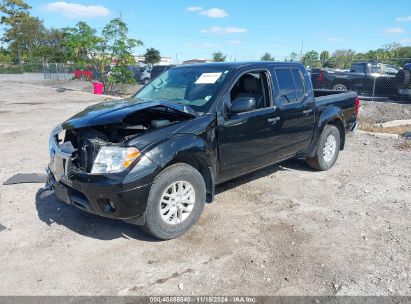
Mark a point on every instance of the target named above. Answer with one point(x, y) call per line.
point(180, 146)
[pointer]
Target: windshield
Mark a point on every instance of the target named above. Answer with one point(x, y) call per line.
point(193, 86)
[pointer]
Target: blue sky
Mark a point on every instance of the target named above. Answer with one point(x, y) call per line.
point(243, 30)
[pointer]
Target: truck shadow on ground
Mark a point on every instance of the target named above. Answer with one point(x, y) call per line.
point(288, 165)
point(52, 211)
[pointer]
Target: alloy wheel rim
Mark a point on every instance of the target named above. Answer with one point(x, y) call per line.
point(177, 202)
point(330, 146)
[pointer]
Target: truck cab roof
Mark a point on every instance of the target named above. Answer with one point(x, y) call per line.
point(240, 65)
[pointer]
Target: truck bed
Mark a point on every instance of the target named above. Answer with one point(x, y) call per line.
point(330, 96)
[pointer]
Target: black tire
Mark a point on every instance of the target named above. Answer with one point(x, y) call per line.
point(403, 79)
point(340, 87)
point(318, 162)
point(154, 224)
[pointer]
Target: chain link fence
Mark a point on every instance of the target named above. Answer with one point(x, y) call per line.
point(56, 71)
point(381, 79)
point(373, 79)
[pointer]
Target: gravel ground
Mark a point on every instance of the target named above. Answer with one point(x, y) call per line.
point(380, 112)
point(284, 230)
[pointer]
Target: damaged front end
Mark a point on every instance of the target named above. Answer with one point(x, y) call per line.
point(95, 140)
point(91, 159)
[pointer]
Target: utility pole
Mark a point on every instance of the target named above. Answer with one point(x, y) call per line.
point(302, 47)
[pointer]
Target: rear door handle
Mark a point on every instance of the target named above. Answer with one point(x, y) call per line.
point(307, 111)
point(273, 120)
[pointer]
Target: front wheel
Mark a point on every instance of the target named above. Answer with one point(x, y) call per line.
point(175, 203)
point(327, 150)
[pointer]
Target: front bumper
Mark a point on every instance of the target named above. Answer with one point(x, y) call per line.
point(113, 196)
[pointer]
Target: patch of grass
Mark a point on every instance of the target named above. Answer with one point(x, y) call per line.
point(10, 69)
point(404, 146)
point(392, 130)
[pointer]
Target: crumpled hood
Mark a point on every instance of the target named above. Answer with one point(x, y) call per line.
point(111, 112)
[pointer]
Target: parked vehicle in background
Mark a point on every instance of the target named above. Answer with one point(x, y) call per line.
point(141, 74)
point(159, 69)
point(154, 160)
point(404, 81)
point(363, 77)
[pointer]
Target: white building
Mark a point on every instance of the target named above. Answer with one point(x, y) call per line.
point(163, 60)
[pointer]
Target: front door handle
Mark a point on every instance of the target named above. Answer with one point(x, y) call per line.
point(273, 120)
point(307, 111)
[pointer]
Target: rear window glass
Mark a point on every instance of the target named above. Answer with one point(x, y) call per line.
point(299, 85)
point(286, 84)
point(357, 68)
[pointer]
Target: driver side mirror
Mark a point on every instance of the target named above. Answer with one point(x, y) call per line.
point(242, 104)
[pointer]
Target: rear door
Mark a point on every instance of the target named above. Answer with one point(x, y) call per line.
point(295, 105)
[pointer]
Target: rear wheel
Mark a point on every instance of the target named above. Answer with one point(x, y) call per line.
point(176, 201)
point(340, 87)
point(327, 150)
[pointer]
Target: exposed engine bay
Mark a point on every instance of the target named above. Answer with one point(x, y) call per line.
point(83, 144)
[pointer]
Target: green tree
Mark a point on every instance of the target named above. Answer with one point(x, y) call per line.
point(22, 32)
point(5, 56)
point(342, 58)
point(219, 57)
point(310, 58)
point(293, 56)
point(79, 43)
point(13, 11)
point(52, 47)
point(112, 55)
point(25, 37)
point(324, 56)
point(267, 57)
point(152, 56)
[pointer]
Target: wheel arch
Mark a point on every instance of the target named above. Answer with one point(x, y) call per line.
point(330, 116)
point(345, 82)
point(191, 150)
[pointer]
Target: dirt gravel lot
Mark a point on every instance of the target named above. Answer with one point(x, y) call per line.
point(285, 230)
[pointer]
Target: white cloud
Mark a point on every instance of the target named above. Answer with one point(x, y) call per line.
point(194, 9)
point(214, 13)
point(224, 30)
point(76, 10)
point(234, 42)
point(394, 30)
point(406, 40)
point(335, 39)
point(404, 19)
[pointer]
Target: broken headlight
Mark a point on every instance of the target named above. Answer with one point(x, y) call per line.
point(112, 159)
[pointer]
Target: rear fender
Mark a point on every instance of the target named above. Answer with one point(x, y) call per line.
point(331, 115)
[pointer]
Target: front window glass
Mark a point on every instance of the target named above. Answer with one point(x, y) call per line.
point(193, 86)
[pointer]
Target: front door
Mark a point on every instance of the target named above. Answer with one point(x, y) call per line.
point(246, 139)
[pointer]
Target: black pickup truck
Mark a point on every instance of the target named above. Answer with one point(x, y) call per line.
point(363, 77)
point(155, 159)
